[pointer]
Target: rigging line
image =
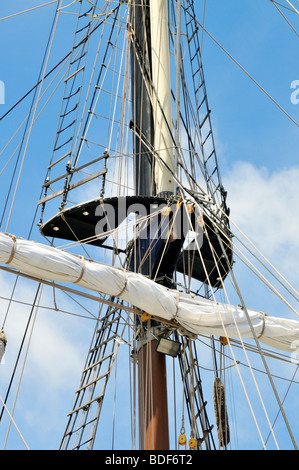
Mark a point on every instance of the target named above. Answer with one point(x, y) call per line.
point(267, 353)
point(20, 349)
point(46, 307)
point(31, 108)
point(261, 278)
point(197, 127)
point(27, 117)
point(92, 316)
point(24, 362)
point(14, 423)
point(253, 268)
point(86, 295)
point(202, 33)
point(223, 212)
point(87, 44)
point(252, 349)
point(63, 112)
point(92, 105)
point(66, 6)
point(110, 232)
point(43, 66)
point(10, 301)
point(258, 345)
point(245, 71)
point(292, 6)
point(245, 352)
point(120, 65)
point(114, 406)
point(223, 326)
point(57, 65)
point(251, 243)
point(285, 396)
point(169, 229)
point(30, 9)
point(274, 3)
point(263, 257)
point(284, 6)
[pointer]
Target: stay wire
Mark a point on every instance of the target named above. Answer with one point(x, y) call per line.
point(30, 111)
point(247, 73)
point(291, 26)
point(30, 9)
point(57, 65)
point(20, 350)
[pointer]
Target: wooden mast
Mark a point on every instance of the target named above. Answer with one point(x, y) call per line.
point(150, 61)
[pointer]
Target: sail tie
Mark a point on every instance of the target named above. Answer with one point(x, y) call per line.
point(13, 249)
point(177, 300)
point(125, 285)
point(263, 325)
point(82, 270)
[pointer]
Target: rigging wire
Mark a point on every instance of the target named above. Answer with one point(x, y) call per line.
point(225, 214)
point(43, 66)
point(30, 9)
point(219, 208)
point(36, 307)
point(20, 349)
point(247, 73)
point(27, 117)
point(251, 348)
point(283, 6)
point(295, 9)
point(286, 393)
point(48, 48)
point(57, 65)
point(276, 6)
point(257, 344)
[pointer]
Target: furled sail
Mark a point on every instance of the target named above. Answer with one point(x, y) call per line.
point(195, 314)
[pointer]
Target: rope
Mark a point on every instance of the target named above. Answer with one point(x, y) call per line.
point(245, 71)
point(259, 348)
point(274, 3)
point(82, 270)
point(12, 420)
point(223, 326)
point(284, 6)
point(292, 6)
point(44, 65)
point(13, 249)
point(36, 306)
point(30, 9)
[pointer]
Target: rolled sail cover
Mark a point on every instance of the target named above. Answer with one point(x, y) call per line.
point(196, 314)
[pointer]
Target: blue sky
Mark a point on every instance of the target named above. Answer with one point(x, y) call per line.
point(257, 147)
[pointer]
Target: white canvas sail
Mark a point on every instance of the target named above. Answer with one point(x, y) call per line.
point(196, 314)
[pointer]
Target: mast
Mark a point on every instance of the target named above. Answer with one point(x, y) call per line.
point(152, 117)
point(163, 143)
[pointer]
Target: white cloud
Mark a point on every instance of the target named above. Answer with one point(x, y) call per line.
point(264, 205)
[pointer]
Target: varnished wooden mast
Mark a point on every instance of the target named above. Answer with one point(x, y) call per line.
point(151, 71)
